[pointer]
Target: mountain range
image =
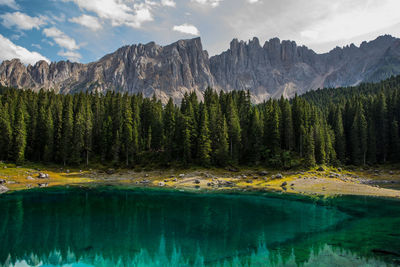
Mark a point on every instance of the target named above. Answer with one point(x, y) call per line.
point(274, 69)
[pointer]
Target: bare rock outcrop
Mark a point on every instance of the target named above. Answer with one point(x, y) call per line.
point(277, 68)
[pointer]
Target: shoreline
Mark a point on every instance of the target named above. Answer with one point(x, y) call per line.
point(321, 182)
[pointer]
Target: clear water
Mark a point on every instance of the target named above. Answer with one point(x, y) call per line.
point(110, 226)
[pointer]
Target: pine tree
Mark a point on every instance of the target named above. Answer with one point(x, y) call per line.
point(169, 127)
point(272, 131)
point(204, 142)
point(340, 140)
point(394, 144)
point(234, 130)
point(319, 144)
point(67, 130)
point(19, 131)
point(187, 157)
point(127, 131)
point(286, 125)
point(359, 137)
point(88, 129)
point(78, 134)
point(49, 137)
point(309, 149)
point(381, 124)
point(255, 136)
point(6, 133)
point(222, 147)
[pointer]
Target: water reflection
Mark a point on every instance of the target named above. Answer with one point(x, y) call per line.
point(113, 227)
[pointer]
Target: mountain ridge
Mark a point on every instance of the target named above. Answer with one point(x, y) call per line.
point(277, 68)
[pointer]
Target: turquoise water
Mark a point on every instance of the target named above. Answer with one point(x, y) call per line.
point(110, 226)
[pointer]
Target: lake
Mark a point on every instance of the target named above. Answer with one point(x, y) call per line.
point(113, 226)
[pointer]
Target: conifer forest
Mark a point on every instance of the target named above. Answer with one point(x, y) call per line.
point(353, 126)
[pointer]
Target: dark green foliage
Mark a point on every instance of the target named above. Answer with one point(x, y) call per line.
point(356, 125)
point(19, 131)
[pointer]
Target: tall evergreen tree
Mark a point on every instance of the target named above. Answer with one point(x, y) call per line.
point(19, 138)
point(204, 142)
point(67, 130)
point(6, 133)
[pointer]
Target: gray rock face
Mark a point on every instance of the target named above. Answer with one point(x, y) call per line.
point(283, 68)
point(274, 69)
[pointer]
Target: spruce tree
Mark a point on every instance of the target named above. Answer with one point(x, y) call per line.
point(127, 131)
point(309, 149)
point(19, 138)
point(204, 142)
point(169, 127)
point(6, 133)
point(340, 140)
point(234, 130)
point(67, 130)
point(48, 134)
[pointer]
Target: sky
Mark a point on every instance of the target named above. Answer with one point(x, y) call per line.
point(85, 30)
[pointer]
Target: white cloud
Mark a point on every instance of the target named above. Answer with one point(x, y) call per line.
point(9, 50)
point(253, 1)
point(170, 3)
point(61, 38)
point(118, 11)
point(212, 3)
point(22, 21)
point(187, 29)
point(309, 34)
point(88, 21)
point(9, 3)
point(344, 24)
point(71, 55)
point(38, 46)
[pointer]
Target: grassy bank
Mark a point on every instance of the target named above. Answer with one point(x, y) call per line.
point(325, 181)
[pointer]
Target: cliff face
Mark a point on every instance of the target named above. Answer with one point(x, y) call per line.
point(274, 69)
point(283, 68)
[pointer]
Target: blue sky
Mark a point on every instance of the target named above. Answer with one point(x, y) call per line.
point(85, 30)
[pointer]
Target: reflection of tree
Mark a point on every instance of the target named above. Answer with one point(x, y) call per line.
point(102, 227)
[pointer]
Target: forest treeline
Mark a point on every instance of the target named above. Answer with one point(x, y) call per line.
point(356, 125)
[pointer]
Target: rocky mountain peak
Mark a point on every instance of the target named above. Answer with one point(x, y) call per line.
point(274, 69)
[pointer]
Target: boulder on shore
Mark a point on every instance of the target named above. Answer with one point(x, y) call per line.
point(283, 184)
point(2, 181)
point(110, 171)
point(42, 175)
point(3, 189)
